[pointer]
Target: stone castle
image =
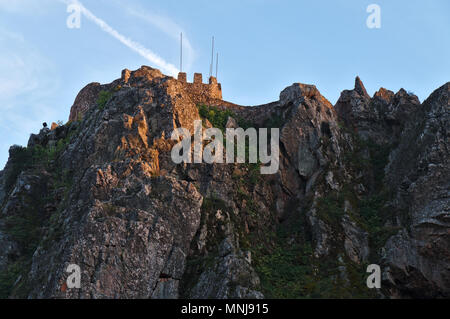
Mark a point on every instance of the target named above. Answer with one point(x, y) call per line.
point(212, 89)
point(199, 92)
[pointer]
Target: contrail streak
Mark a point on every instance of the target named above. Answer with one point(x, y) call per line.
point(168, 27)
point(133, 45)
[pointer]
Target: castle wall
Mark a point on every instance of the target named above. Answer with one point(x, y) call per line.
point(201, 92)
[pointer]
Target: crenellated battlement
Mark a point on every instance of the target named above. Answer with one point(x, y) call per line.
point(182, 77)
point(212, 89)
point(200, 92)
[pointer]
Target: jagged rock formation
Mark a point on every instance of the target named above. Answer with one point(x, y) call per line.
point(365, 181)
point(418, 174)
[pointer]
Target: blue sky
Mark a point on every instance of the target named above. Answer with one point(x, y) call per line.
point(264, 46)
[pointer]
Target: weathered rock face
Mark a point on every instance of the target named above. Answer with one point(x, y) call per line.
point(363, 182)
point(417, 172)
point(381, 118)
point(419, 169)
point(84, 101)
point(232, 276)
point(128, 246)
point(356, 241)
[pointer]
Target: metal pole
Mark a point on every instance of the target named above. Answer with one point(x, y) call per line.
point(181, 52)
point(212, 58)
point(217, 64)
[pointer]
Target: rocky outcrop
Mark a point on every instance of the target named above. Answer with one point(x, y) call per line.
point(356, 241)
point(360, 88)
point(365, 181)
point(420, 172)
point(231, 276)
point(417, 172)
point(9, 248)
point(85, 100)
point(381, 118)
point(127, 248)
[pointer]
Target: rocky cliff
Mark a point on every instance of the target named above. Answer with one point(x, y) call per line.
point(363, 182)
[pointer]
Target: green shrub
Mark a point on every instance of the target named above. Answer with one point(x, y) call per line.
point(379, 158)
point(276, 121)
point(331, 208)
point(213, 203)
point(46, 155)
point(373, 212)
point(21, 159)
point(285, 272)
point(9, 276)
point(218, 117)
point(103, 98)
point(24, 229)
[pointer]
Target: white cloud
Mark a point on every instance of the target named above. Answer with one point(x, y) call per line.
point(28, 80)
point(133, 45)
point(25, 6)
point(23, 70)
point(167, 26)
point(162, 23)
point(6, 34)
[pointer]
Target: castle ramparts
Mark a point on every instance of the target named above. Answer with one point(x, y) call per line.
point(212, 90)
